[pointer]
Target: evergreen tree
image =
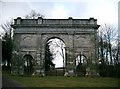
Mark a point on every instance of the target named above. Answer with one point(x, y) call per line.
point(48, 58)
point(7, 49)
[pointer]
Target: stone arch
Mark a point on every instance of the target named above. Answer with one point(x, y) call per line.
point(52, 37)
point(59, 70)
point(27, 52)
point(28, 64)
point(83, 56)
point(32, 34)
point(81, 64)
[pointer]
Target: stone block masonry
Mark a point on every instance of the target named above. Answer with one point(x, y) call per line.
point(31, 36)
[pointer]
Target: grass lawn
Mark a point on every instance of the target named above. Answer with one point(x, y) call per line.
point(61, 81)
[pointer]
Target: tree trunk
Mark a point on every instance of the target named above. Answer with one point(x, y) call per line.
point(110, 51)
point(101, 49)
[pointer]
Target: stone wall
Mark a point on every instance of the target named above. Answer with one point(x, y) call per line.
point(31, 35)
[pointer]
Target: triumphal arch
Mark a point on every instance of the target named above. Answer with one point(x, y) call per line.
point(31, 35)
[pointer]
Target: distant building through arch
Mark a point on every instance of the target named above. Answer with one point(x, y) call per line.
point(79, 35)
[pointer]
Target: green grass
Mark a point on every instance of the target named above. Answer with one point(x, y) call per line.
point(61, 81)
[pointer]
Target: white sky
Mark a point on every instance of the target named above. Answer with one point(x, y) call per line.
point(106, 11)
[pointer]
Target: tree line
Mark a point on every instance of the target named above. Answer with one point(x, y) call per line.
point(108, 52)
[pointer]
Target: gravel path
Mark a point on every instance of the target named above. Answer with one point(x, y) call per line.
point(10, 83)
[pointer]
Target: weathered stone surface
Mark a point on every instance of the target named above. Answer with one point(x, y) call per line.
point(31, 35)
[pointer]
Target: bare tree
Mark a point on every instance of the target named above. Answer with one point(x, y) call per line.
point(7, 28)
point(115, 51)
point(33, 15)
point(107, 36)
point(101, 47)
point(61, 49)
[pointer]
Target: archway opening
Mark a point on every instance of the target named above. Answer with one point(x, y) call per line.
point(81, 62)
point(55, 56)
point(28, 64)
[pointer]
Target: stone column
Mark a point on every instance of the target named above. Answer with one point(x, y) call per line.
point(70, 63)
point(21, 65)
point(42, 62)
point(14, 63)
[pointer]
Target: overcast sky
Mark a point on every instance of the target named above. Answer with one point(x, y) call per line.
point(105, 11)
